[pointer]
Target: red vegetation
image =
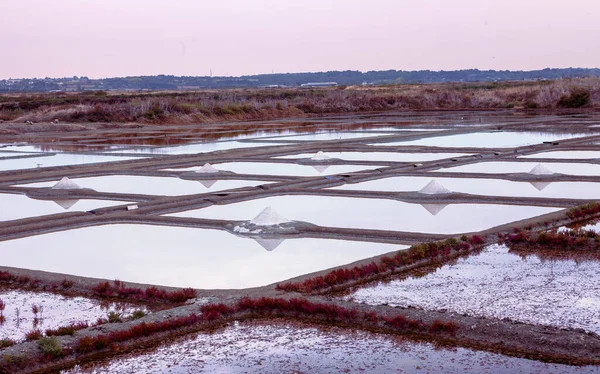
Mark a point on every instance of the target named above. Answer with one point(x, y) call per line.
point(120, 291)
point(67, 330)
point(439, 326)
point(33, 335)
point(584, 211)
point(431, 251)
point(579, 240)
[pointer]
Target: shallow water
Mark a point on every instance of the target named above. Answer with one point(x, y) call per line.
point(265, 168)
point(334, 135)
point(565, 154)
point(60, 159)
point(375, 213)
point(496, 167)
point(183, 257)
point(54, 311)
point(153, 185)
point(285, 348)
point(497, 284)
point(382, 156)
point(484, 187)
point(193, 148)
point(21, 206)
point(496, 139)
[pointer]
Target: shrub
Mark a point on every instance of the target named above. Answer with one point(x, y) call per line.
point(114, 317)
point(5, 343)
point(138, 314)
point(33, 335)
point(576, 99)
point(67, 330)
point(50, 346)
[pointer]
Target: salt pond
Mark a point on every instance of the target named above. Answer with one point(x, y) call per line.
point(153, 185)
point(266, 168)
point(485, 187)
point(192, 148)
point(59, 159)
point(382, 156)
point(565, 154)
point(283, 348)
point(375, 213)
point(20, 206)
point(183, 257)
point(497, 167)
point(53, 311)
point(497, 284)
point(495, 139)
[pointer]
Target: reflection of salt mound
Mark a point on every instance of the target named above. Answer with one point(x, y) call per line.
point(320, 156)
point(269, 244)
point(208, 183)
point(540, 185)
point(268, 217)
point(540, 169)
point(66, 184)
point(66, 204)
point(320, 168)
point(433, 188)
point(207, 168)
point(434, 209)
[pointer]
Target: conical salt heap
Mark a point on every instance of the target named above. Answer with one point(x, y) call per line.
point(269, 217)
point(269, 244)
point(207, 168)
point(540, 169)
point(320, 156)
point(433, 188)
point(66, 184)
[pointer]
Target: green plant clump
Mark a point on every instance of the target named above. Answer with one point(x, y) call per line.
point(49, 345)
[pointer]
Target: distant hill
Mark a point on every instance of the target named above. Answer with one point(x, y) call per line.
point(349, 77)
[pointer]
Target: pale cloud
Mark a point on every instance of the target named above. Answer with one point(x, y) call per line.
point(101, 38)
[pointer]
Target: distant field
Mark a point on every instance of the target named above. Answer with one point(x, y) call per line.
point(210, 106)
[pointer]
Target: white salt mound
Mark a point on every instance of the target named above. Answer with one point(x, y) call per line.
point(207, 168)
point(269, 217)
point(540, 169)
point(320, 156)
point(66, 184)
point(433, 188)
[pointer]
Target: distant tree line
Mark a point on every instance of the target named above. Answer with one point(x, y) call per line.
point(349, 77)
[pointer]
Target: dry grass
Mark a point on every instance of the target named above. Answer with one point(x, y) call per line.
point(261, 104)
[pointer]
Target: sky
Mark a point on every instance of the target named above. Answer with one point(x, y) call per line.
point(110, 38)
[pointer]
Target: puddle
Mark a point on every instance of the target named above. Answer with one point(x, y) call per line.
point(193, 148)
point(500, 139)
point(484, 187)
point(382, 156)
point(153, 185)
point(255, 347)
point(54, 311)
point(565, 154)
point(20, 206)
point(330, 136)
point(61, 159)
point(183, 257)
point(265, 168)
point(500, 167)
point(375, 213)
point(497, 284)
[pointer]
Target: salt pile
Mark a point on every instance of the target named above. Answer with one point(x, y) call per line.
point(207, 168)
point(268, 217)
point(434, 188)
point(320, 156)
point(66, 184)
point(540, 169)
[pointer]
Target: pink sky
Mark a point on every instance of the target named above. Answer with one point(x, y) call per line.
point(106, 38)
